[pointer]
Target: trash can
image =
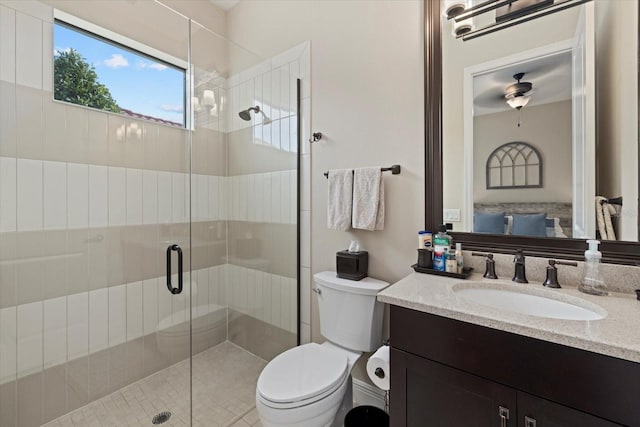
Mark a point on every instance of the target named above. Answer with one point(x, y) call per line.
point(366, 416)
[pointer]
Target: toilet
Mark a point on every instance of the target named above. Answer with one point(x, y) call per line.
point(305, 386)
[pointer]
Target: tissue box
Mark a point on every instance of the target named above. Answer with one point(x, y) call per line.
point(352, 265)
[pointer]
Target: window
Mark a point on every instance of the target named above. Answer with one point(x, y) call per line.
point(100, 69)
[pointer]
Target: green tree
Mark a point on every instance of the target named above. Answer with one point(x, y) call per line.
point(76, 81)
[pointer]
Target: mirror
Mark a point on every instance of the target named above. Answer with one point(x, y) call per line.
point(501, 163)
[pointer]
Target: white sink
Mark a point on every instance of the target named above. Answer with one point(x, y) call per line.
point(529, 301)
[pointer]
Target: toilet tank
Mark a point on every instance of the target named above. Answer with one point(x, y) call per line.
point(350, 314)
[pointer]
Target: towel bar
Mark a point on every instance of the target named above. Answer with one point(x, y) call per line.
point(395, 170)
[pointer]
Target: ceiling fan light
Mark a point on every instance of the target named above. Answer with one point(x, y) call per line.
point(518, 101)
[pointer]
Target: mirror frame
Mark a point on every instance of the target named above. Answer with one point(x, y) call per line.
point(615, 252)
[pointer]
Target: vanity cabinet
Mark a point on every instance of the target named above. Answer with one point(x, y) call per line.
point(449, 373)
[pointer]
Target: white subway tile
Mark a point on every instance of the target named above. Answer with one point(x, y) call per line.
point(266, 297)
point(135, 311)
point(134, 196)
point(98, 320)
point(165, 303)
point(266, 197)
point(285, 134)
point(178, 303)
point(293, 196)
point(8, 344)
point(294, 74)
point(285, 197)
point(305, 333)
point(117, 315)
point(305, 182)
point(276, 301)
point(258, 197)
point(305, 232)
point(243, 196)
point(285, 87)
point(29, 196)
point(293, 305)
point(47, 56)
point(164, 197)
point(267, 100)
point(305, 295)
point(275, 134)
point(150, 306)
point(7, 44)
point(149, 197)
point(29, 51)
point(117, 196)
point(251, 292)
point(214, 198)
point(55, 331)
point(8, 187)
point(202, 198)
point(285, 310)
point(259, 295)
point(98, 196)
point(252, 203)
point(178, 194)
point(276, 215)
point(78, 325)
point(305, 125)
point(78, 195)
point(203, 296)
point(55, 195)
point(30, 354)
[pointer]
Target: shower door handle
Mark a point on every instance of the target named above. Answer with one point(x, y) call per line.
point(174, 291)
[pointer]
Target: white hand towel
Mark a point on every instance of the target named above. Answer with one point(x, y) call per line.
point(368, 199)
point(340, 199)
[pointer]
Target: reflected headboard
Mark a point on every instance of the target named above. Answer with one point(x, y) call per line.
point(562, 211)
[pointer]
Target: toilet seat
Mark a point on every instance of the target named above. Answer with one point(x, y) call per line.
point(301, 376)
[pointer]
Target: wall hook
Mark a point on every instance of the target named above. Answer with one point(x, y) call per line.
point(315, 137)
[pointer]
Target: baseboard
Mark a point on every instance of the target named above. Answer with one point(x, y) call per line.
point(367, 394)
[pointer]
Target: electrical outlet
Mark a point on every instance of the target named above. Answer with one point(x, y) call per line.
point(451, 215)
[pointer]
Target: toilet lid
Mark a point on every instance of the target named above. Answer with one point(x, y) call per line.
point(302, 373)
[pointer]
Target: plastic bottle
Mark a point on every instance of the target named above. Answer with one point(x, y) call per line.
point(441, 247)
point(424, 239)
point(592, 282)
point(459, 258)
point(452, 264)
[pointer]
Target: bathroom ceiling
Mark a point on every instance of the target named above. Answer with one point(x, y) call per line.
point(225, 4)
point(550, 76)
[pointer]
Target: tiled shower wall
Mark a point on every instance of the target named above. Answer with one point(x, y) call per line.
point(88, 202)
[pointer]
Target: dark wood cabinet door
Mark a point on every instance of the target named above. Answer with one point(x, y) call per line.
point(536, 412)
point(427, 393)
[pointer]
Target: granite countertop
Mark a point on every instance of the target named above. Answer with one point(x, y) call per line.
point(617, 334)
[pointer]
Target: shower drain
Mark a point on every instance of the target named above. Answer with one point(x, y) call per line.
point(161, 418)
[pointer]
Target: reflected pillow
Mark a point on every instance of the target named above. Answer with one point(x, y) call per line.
point(489, 222)
point(530, 225)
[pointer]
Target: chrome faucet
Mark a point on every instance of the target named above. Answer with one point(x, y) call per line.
point(519, 275)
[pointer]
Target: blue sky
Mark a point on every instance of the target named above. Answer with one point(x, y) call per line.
point(135, 82)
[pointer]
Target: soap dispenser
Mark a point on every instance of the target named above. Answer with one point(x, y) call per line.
point(591, 281)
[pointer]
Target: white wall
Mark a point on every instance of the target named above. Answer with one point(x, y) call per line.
point(367, 100)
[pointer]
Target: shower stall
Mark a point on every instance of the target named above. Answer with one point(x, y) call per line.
point(149, 266)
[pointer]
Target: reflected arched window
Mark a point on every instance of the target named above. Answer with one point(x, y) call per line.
point(514, 165)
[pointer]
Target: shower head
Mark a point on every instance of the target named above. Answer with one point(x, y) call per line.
point(246, 114)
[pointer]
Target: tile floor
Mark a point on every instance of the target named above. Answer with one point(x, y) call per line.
point(224, 381)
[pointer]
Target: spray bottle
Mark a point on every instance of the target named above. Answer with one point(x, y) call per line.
point(592, 282)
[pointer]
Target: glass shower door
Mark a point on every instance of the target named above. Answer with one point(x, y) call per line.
point(90, 200)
